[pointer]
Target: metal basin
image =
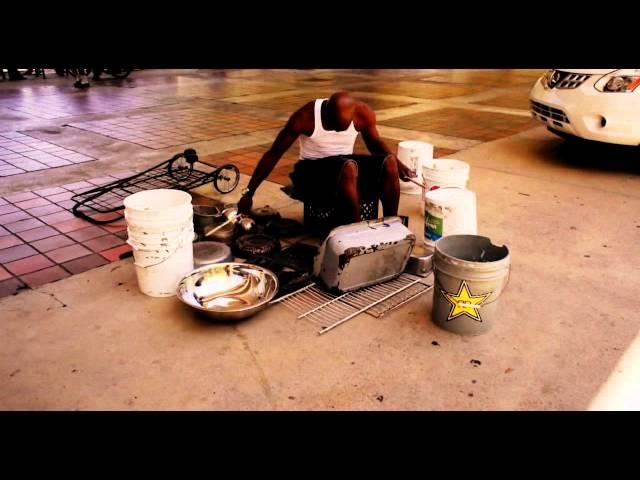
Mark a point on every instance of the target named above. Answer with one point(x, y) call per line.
point(228, 291)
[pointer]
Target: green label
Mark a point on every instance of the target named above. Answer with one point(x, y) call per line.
point(432, 227)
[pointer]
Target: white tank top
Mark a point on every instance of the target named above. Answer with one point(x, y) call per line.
point(325, 143)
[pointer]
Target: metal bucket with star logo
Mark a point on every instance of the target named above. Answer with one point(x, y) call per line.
point(470, 275)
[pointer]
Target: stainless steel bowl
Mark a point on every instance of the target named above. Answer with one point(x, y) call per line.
point(228, 291)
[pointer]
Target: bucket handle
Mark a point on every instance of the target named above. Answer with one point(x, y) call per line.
point(506, 283)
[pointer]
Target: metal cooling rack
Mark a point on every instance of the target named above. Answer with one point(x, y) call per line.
point(328, 310)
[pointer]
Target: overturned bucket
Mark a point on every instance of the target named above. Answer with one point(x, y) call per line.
point(470, 275)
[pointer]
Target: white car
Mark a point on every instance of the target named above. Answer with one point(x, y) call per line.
point(594, 104)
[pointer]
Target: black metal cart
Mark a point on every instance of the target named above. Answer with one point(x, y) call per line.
point(176, 173)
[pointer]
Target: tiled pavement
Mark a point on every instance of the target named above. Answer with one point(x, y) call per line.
point(20, 153)
point(161, 130)
point(80, 103)
point(291, 103)
point(41, 241)
point(484, 126)
point(226, 115)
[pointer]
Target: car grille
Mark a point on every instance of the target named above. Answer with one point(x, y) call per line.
point(545, 112)
point(565, 80)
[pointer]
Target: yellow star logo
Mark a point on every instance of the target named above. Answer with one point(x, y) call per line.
point(463, 303)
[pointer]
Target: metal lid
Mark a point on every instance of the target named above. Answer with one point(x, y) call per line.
point(206, 253)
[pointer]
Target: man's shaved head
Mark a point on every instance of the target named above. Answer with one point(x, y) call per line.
point(340, 108)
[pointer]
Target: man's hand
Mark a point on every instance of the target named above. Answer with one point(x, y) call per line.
point(405, 172)
point(245, 204)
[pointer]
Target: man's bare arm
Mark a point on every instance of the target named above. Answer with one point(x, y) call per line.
point(282, 143)
point(374, 142)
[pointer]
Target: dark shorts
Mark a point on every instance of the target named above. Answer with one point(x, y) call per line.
point(316, 180)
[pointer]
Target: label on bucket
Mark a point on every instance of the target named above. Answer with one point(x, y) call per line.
point(432, 227)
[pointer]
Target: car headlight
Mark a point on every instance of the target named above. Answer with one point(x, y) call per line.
point(620, 81)
point(544, 80)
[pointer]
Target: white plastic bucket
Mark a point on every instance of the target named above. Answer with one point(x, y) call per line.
point(160, 228)
point(449, 211)
point(445, 172)
point(158, 203)
point(415, 155)
point(161, 279)
point(154, 242)
point(143, 229)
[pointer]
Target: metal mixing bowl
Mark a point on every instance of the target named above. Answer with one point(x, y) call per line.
point(228, 291)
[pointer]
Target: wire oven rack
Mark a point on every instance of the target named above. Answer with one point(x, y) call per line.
point(328, 310)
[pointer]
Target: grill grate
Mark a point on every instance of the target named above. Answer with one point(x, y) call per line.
point(546, 112)
point(328, 310)
point(567, 80)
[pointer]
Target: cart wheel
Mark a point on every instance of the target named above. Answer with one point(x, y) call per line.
point(226, 178)
point(180, 169)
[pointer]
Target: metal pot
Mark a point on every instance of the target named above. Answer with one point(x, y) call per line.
point(205, 216)
point(222, 228)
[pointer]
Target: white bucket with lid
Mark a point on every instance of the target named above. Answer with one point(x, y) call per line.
point(414, 154)
point(160, 228)
point(449, 211)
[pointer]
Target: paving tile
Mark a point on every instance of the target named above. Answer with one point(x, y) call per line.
point(60, 197)
point(13, 171)
point(4, 274)
point(36, 202)
point(103, 243)
point(88, 233)
point(105, 217)
point(13, 217)
point(5, 209)
point(65, 254)
point(58, 217)
point(77, 185)
point(45, 276)
point(72, 225)
point(16, 253)
point(46, 210)
point(20, 197)
point(115, 227)
point(47, 192)
point(114, 254)
point(101, 180)
point(10, 287)
point(52, 243)
point(28, 265)
point(85, 263)
point(24, 225)
point(66, 204)
point(462, 123)
point(37, 233)
point(7, 241)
